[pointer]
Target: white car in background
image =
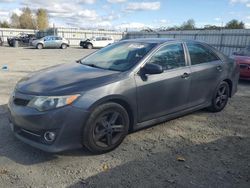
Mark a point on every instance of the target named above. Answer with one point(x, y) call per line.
point(96, 42)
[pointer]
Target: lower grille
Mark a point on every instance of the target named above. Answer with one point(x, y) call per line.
point(37, 137)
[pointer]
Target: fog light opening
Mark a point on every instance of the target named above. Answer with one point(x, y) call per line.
point(49, 136)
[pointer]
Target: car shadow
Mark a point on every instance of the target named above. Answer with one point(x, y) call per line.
point(220, 163)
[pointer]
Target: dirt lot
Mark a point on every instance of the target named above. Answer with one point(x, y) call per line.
point(213, 149)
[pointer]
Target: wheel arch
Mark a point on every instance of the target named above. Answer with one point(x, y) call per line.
point(65, 45)
point(230, 84)
point(121, 101)
point(40, 43)
point(89, 43)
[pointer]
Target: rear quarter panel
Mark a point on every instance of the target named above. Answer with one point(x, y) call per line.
point(233, 74)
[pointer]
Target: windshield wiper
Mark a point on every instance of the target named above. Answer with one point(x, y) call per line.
point(112, 69)
point(92, 65)
point(95, 66)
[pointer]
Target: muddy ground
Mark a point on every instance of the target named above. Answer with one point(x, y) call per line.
point(202, 149)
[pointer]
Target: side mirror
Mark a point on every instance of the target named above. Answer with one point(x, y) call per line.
point(150, 68)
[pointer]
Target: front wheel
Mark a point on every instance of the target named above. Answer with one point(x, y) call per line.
point(106, 128)
point(89, 46)
point(220, 97)
point(39, 46)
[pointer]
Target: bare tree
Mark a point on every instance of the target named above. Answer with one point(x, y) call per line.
point(14, 21)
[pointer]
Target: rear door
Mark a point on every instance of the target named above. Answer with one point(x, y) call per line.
point(58, 42)
point(206, 72)
point(165, 93)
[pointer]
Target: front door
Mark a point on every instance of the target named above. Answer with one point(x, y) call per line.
point(48, 42)
point(165, 93)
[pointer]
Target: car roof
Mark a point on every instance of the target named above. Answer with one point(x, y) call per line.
point(52, 36)
point(160, 40)
point(102, 36)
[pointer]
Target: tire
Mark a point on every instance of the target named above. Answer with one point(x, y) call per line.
point(89, 46)
point(64, 46)
point(106, 128)
point(220, 97)
point(39, 46)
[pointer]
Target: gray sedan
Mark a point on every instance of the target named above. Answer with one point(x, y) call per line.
point(51, 42)
point(124, 87)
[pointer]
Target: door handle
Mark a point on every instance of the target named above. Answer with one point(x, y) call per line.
point(219, 68)
point(185, 75)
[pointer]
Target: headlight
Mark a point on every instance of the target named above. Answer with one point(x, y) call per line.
point(43, 103)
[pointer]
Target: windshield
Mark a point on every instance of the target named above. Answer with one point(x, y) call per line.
point(119, 57)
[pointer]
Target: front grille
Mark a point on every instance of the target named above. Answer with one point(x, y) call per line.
point(243, 66)
point(21, 102)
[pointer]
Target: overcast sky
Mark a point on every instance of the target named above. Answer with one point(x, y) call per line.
point(121, 14)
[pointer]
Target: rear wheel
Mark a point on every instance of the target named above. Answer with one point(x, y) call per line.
point(39, 46)
point(89, 46)
point(106, 128)
point(64, 46)
point(220, 97)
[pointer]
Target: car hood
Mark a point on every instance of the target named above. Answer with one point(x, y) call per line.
point(65, 79)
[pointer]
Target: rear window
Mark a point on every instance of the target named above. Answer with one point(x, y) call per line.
point(200, 54)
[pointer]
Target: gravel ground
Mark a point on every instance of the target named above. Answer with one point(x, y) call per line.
point(198, 150)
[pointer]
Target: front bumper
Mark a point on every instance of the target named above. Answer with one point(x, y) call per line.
point(29, 125)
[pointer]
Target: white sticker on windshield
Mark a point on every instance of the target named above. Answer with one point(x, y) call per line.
point(139, 46)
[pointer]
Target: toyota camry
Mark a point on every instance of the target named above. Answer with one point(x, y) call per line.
point(132, 84)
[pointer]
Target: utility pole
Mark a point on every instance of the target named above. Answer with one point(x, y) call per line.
point(54, 30)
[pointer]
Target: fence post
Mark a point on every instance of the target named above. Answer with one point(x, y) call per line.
point(195, 36)
point(221, 41)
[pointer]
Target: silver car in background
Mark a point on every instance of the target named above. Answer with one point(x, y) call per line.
point(51, 42)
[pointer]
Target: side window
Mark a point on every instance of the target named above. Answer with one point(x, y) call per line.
point(169, 57)
point(58, 38)
point(200, 54)
point(46, 38)
point(98, 39)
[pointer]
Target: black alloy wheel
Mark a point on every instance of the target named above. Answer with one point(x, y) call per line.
point(106, 128)
point(220, 98)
